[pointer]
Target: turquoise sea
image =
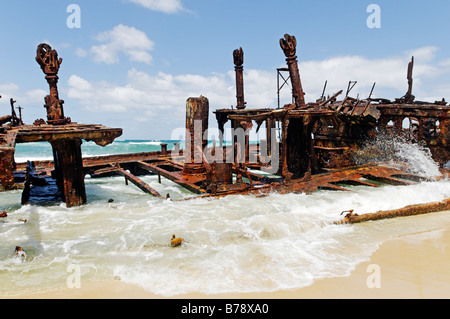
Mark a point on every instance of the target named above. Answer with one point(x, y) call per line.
point(43, 150)
point(238, 243)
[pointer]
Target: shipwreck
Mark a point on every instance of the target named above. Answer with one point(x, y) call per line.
point(314, 149)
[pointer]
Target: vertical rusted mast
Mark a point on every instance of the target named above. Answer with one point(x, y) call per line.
point(238, 56)
point(49, 62)
point(409, 98)
point(289, 44)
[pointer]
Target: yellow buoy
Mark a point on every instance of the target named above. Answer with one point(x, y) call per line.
point(176, 241)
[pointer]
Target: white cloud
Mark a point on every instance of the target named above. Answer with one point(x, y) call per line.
point(31, 100)
point(147, 96)
point(10, 90)
point(125, 40)
point(149, 93)
point(81, 52)
point(166, 6)
point(389, 74)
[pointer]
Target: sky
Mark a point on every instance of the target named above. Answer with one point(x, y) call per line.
point(133, 63)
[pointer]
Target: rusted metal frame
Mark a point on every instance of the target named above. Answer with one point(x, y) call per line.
point(176, 177)
point(327, 101)
point(388, 180)
point(353, 175)
point(138, 182)
point(98, 134)
point(356, 182)
point(94, 161)
point(285, 81)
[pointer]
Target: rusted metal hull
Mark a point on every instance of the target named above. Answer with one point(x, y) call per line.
point(315, 150)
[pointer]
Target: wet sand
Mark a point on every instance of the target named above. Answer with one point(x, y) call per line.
point(409, 267)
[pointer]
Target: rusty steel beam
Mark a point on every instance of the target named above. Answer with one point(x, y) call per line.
point(138, 182)
point(99, 134)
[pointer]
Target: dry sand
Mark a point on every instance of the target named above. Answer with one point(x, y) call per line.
point(412, 266)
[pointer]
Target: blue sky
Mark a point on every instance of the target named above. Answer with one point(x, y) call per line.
point(133, 63)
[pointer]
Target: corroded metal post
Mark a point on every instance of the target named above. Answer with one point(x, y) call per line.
point(197, 113)
point(289, 44)
point(238, 57)
point(69, 172)
point(409, 98)
point(50, 63)
point(7, 167)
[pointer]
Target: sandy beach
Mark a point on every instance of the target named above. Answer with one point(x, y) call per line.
point(409, 267)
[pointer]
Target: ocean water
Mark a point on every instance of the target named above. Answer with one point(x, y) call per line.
point(240, 243)
point(43, 150)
